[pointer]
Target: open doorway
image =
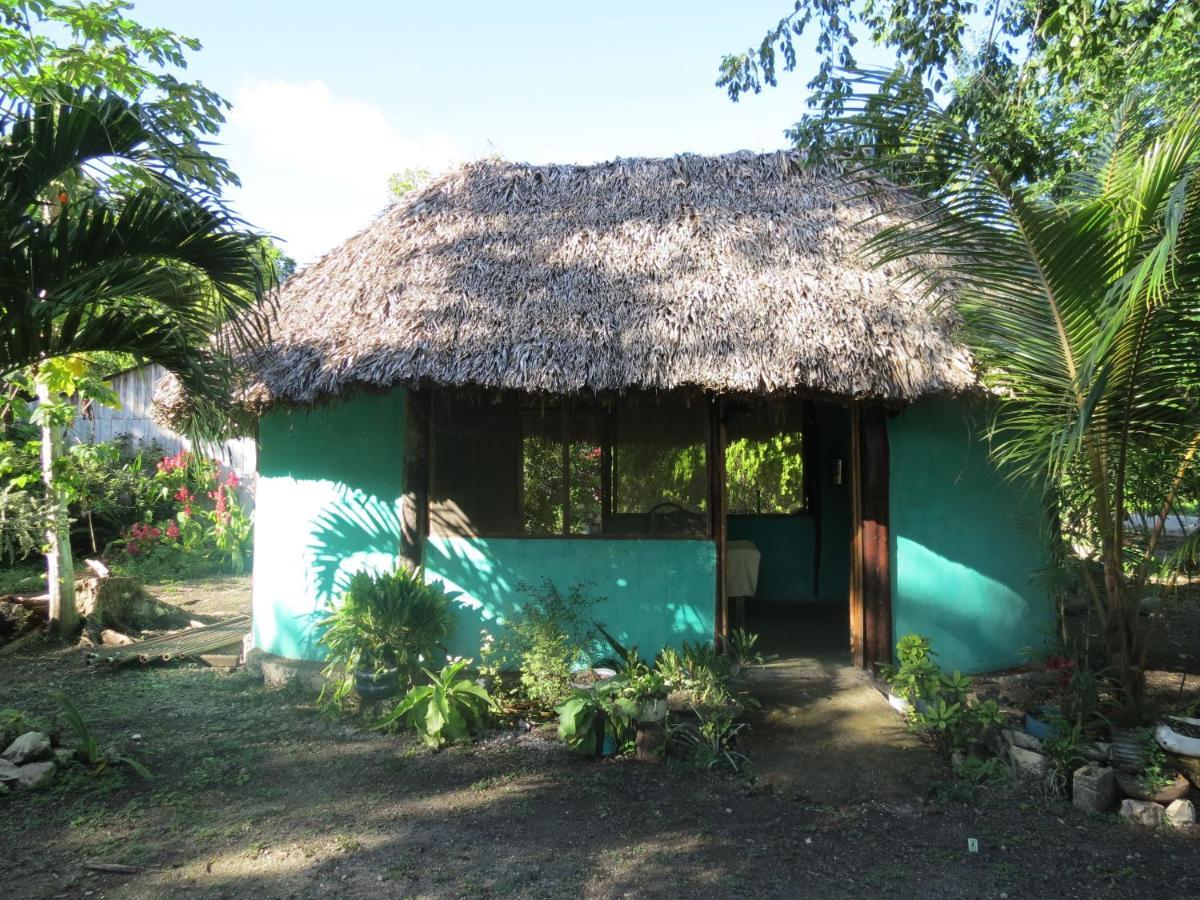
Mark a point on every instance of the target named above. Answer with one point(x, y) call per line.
point(789, 525)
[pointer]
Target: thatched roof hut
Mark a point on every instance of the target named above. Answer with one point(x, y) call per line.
point(734, 273)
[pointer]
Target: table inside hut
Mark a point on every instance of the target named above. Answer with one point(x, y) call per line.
point(742, 559)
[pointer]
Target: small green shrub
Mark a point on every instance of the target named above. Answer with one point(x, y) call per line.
point(88, 748)
point(577, 716)
point(388, 621)
point(547, 638)
point(709, 743)
point(449, 709)
point(940, 707)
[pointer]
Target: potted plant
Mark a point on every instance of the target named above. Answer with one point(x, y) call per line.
point(385, 628)
point(1156, 780)
point(592, 721)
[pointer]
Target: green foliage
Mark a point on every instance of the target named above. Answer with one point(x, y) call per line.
point(1157, 773)
point(384, 621)
point(1036, 87)
point(605, 701)
point(88, 748)
point(765, 475)
point(709, 743)
point(940, 707)
point(1065, 751)
point(970, 775)
point(548, 637)
point(449, 709)
point(1082, 312)
point(97, 45)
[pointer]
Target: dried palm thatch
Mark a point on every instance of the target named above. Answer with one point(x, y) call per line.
point(733, 273)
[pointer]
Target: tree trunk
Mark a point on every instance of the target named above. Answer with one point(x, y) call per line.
point(60, 568)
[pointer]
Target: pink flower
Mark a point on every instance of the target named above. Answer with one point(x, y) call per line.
point(232, 479)
point(183, 495)
point(173, 531)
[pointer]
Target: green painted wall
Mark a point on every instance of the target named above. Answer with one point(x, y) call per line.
point(655, 592)
point(787, 544)
point(966, 545)
point(327, 505)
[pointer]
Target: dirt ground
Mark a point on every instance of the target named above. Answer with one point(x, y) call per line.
point(254, 794)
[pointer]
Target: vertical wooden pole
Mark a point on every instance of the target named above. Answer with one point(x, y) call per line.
point(876, 551)
point(857, 619)
point(414, 525)
point(716, 507)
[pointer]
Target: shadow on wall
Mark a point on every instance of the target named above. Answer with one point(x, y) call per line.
point(649, 593)
point(357, 532)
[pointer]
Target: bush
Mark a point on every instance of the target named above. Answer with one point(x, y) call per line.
point(391, 621)
point(547, 638)
point(940, 707)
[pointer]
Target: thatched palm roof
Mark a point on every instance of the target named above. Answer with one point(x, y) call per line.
point(733, 273)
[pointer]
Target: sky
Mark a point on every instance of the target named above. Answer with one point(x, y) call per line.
point(329, 98)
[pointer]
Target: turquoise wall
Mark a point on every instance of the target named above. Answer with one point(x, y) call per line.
point(788, 566)
point(328, 505)
point(967, 546)
point(653, 593)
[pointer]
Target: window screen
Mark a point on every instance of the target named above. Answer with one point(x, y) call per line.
point(475, 466)
point(523, 466)
point(660, 469)
point(764, 459)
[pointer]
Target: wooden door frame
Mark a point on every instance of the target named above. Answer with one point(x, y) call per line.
point(871, 639)
point(716, 507)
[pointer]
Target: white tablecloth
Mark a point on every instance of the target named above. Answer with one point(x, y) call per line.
point(741, 568)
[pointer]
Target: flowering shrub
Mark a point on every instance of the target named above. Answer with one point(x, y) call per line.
point(206, 519)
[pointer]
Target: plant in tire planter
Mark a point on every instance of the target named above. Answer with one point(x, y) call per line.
point(377, 639)
point(1156, 781)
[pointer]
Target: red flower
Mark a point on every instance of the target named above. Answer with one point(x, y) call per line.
point(187, 510)
point(232, 480)
point(173, 531)
point(183, 495)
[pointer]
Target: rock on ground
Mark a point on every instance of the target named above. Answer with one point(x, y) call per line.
point(31, 746)
point(1027, 763)
point(34, 773)
point(1181, 813)
point(1142, 812)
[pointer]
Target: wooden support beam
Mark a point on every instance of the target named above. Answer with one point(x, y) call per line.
point(857, 618)
point(875, 537)
point(414, 525)
point(716, 510)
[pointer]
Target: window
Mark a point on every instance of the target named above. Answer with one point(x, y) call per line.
point(764, 459)
point(521, 466)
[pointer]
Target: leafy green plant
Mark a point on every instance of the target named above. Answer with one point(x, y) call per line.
point(1065, 751)
point(971, 774)
point(88, 748)
point(604, 702)
point(548, 637)
point(707, 678)
point(1156, 772)
point(384, 621)
point(710, 742)
point(940, 706)
point(450, 709)
point(741, 654)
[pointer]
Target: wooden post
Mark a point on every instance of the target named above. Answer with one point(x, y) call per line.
point(716, 507)
point(857, 618)
point(876, 550)
point(414, 525)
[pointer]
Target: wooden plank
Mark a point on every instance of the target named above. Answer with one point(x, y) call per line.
point(876, 555)
point(716, 506)
point(414, 524)
point(857, 619)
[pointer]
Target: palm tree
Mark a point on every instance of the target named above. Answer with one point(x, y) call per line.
point(1083, 311)
point(108, 249)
